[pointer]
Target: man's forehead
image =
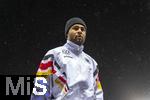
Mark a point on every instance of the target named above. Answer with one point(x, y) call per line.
point(78, 25)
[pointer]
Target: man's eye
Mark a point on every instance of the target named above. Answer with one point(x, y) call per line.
point(75, 28)
point(82, 29)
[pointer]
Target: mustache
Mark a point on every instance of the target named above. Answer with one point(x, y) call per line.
point(78, 35)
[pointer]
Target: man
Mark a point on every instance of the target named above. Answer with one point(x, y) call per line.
point(71, 74)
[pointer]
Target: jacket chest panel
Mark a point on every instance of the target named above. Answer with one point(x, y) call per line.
point(77, 69)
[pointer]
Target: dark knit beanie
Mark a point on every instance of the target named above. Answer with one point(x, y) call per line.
point(71, 22)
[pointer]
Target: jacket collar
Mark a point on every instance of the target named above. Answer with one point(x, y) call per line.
point(74, 47)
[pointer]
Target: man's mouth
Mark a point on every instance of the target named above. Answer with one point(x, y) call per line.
point(79, 36)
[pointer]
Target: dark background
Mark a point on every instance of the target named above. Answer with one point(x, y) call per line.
point(118, 39)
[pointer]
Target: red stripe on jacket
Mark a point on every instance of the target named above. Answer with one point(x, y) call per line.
point(62, 79)
point(44, 66)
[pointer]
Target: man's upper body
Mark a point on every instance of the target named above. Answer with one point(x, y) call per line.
point(71, 74)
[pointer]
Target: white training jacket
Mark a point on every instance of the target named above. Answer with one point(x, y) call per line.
point(71, 74)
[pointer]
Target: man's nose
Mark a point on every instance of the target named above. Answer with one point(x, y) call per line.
point(79, 31)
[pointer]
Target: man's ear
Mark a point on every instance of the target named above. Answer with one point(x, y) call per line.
point(66, 36)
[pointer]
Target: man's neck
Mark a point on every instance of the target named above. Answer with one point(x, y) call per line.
point(74, 47)
point(77, 43)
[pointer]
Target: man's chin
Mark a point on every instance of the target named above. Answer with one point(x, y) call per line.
point(79, 42)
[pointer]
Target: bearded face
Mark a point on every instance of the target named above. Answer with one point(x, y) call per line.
point(77, 34)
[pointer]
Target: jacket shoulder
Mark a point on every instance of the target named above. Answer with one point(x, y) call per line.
point(54, 50)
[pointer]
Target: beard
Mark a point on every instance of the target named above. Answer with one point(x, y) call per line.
point(78, 40)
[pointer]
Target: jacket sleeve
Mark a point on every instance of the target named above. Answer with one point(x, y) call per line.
point(54, 81)
point(97, 84)
point(98, 87)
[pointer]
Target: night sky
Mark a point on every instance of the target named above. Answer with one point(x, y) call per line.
point(118, 39)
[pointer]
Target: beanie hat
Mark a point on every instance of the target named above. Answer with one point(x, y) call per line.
point(71, 22)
